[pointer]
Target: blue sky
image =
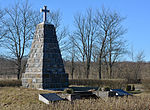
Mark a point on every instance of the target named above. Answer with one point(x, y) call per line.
point(137, 13)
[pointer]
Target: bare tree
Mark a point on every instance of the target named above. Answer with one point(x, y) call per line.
point(103, 25)
point(138, 61)
point(19, 27)
point(19, 24)
point(139, 64)
point(111, 41)
point(72, 52)
point(95, 52)
point(84, 37)
point(115, 48)
point(1, 13)
point(1, 27)
point(55, 17)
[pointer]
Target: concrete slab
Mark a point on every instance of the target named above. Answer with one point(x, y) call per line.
point(101, 94)
point(46, 98)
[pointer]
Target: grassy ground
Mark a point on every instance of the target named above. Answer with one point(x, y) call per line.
point(15, 98)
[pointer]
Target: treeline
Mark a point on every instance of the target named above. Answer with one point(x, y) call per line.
point(8, 66)
point(91, 50)
point(133, 72)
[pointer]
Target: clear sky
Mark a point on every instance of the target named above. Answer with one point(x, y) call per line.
point(137, 13)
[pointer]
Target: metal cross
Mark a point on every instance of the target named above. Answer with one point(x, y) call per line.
point(45, 13)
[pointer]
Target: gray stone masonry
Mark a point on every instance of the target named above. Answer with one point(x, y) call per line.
point(45, 68)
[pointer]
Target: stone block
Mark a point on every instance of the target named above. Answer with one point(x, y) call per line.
point(101, 94)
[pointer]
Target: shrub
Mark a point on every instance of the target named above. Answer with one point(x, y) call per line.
point(10, 83)
point(106, 88)
point(69, 91)
point(112, 83)
point(128, 88)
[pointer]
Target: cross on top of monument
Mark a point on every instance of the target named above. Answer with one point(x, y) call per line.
point(44, 10)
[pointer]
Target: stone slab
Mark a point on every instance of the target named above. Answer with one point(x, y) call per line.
point(47, 98)
point(101, 94)
point(111, 93)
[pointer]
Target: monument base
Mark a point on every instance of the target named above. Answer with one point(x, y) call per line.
point(45, 81)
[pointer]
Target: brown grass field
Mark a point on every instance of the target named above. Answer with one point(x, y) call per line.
point(17, 98)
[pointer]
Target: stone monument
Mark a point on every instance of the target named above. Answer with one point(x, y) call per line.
point(45, 67)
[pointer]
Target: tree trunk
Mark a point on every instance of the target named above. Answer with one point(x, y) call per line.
point(19, 69)
point(100, 55)
point(88, 67)
point(88, 71)
point(110, 71)
point(72, 68)
point(99, 69)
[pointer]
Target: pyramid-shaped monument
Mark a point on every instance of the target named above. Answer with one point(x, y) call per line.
point(45, 67)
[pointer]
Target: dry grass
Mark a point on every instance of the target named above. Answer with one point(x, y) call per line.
point(15, 98)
